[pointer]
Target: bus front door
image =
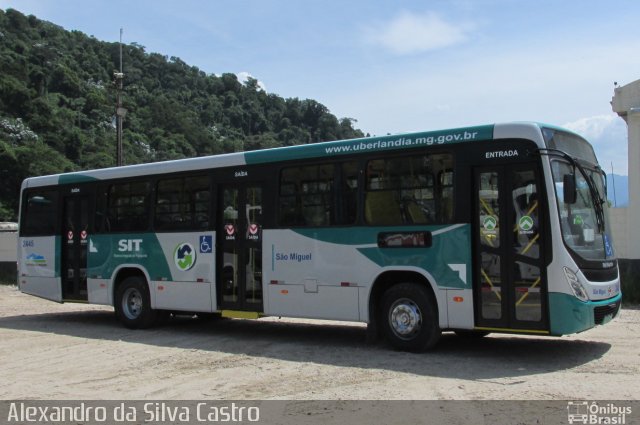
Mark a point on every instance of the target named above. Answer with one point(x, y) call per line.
point(75, 240)
point(240, 257)
point(510, 281)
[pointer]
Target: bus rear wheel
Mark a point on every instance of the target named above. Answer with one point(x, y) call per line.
point(133, 304)
point(410, 317)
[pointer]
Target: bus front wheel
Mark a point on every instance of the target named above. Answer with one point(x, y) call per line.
point(410, 317)
point(133, 304)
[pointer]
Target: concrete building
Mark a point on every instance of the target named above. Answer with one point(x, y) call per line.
point(626, 221)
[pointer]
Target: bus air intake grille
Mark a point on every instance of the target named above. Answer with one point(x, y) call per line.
point(599, 313)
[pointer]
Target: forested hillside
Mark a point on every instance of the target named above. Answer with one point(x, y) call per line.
point(57, 104)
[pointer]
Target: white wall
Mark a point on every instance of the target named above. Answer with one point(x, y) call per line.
point(8, 241)
point(619, 232)
point(626, 103)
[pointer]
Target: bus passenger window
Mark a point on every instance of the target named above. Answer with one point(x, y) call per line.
point(446, 196)
point(403, 190)
point(40, 207)
point(349, 193)
point(182, 204)
point(306, 196)
point(127, 206)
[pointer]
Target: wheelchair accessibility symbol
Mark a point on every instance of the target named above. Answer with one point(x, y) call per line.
point(206, 244)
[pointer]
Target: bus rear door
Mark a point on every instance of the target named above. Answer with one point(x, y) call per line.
point(239, 277)
point(76, 213)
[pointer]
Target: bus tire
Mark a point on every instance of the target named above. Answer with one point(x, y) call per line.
point(410, 317)
point(133, 304)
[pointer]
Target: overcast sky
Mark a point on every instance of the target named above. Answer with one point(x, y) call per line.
point(399, 66)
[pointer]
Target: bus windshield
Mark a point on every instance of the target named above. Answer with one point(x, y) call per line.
point(571, 144)
point(585, 222)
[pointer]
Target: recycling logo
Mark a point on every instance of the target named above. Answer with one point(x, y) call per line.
point(184, 256)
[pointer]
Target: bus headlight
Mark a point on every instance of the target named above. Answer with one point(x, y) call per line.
point(575, 285)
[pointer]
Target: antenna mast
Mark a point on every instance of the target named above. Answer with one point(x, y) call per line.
point(120, 111)
point(613, 184)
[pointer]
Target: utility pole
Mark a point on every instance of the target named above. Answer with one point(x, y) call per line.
point(120, 111)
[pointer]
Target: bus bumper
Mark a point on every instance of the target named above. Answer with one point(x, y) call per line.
point(569, 315)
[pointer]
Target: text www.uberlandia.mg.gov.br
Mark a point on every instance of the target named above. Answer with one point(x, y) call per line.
point(403, 142)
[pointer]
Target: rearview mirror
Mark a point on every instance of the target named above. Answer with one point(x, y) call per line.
point(569, 189)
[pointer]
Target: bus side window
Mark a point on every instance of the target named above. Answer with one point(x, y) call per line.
point(446, 196)
point(127, 206)
point(40, 207)
point(288, 208)
point(348, 193)
point(182, 204)
point(306, 196)
point(403, 190)
point(381, 207)
point(101, 219)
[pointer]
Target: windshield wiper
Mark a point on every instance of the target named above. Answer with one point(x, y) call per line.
point(595, 195)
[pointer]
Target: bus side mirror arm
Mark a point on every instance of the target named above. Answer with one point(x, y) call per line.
point(569, 189)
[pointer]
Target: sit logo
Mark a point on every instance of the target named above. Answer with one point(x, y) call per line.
point(129, 245)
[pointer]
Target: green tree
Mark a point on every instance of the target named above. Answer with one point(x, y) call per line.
point(59, 85)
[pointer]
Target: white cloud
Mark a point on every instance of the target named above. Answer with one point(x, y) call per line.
point(554, 84)
point(608, 135)
point(594, 127)
point(244, 76)
point(410, 33)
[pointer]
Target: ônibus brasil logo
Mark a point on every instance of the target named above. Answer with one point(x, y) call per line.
point(184, 256)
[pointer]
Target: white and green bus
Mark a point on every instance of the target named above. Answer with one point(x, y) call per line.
point(495, 228)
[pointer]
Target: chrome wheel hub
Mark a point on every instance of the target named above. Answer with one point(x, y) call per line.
point(405, 318)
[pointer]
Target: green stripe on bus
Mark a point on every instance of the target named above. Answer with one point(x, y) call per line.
point(75, 178)
point(372, 144)
point(450, 250)
point(108, 252)
point(359, 235)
